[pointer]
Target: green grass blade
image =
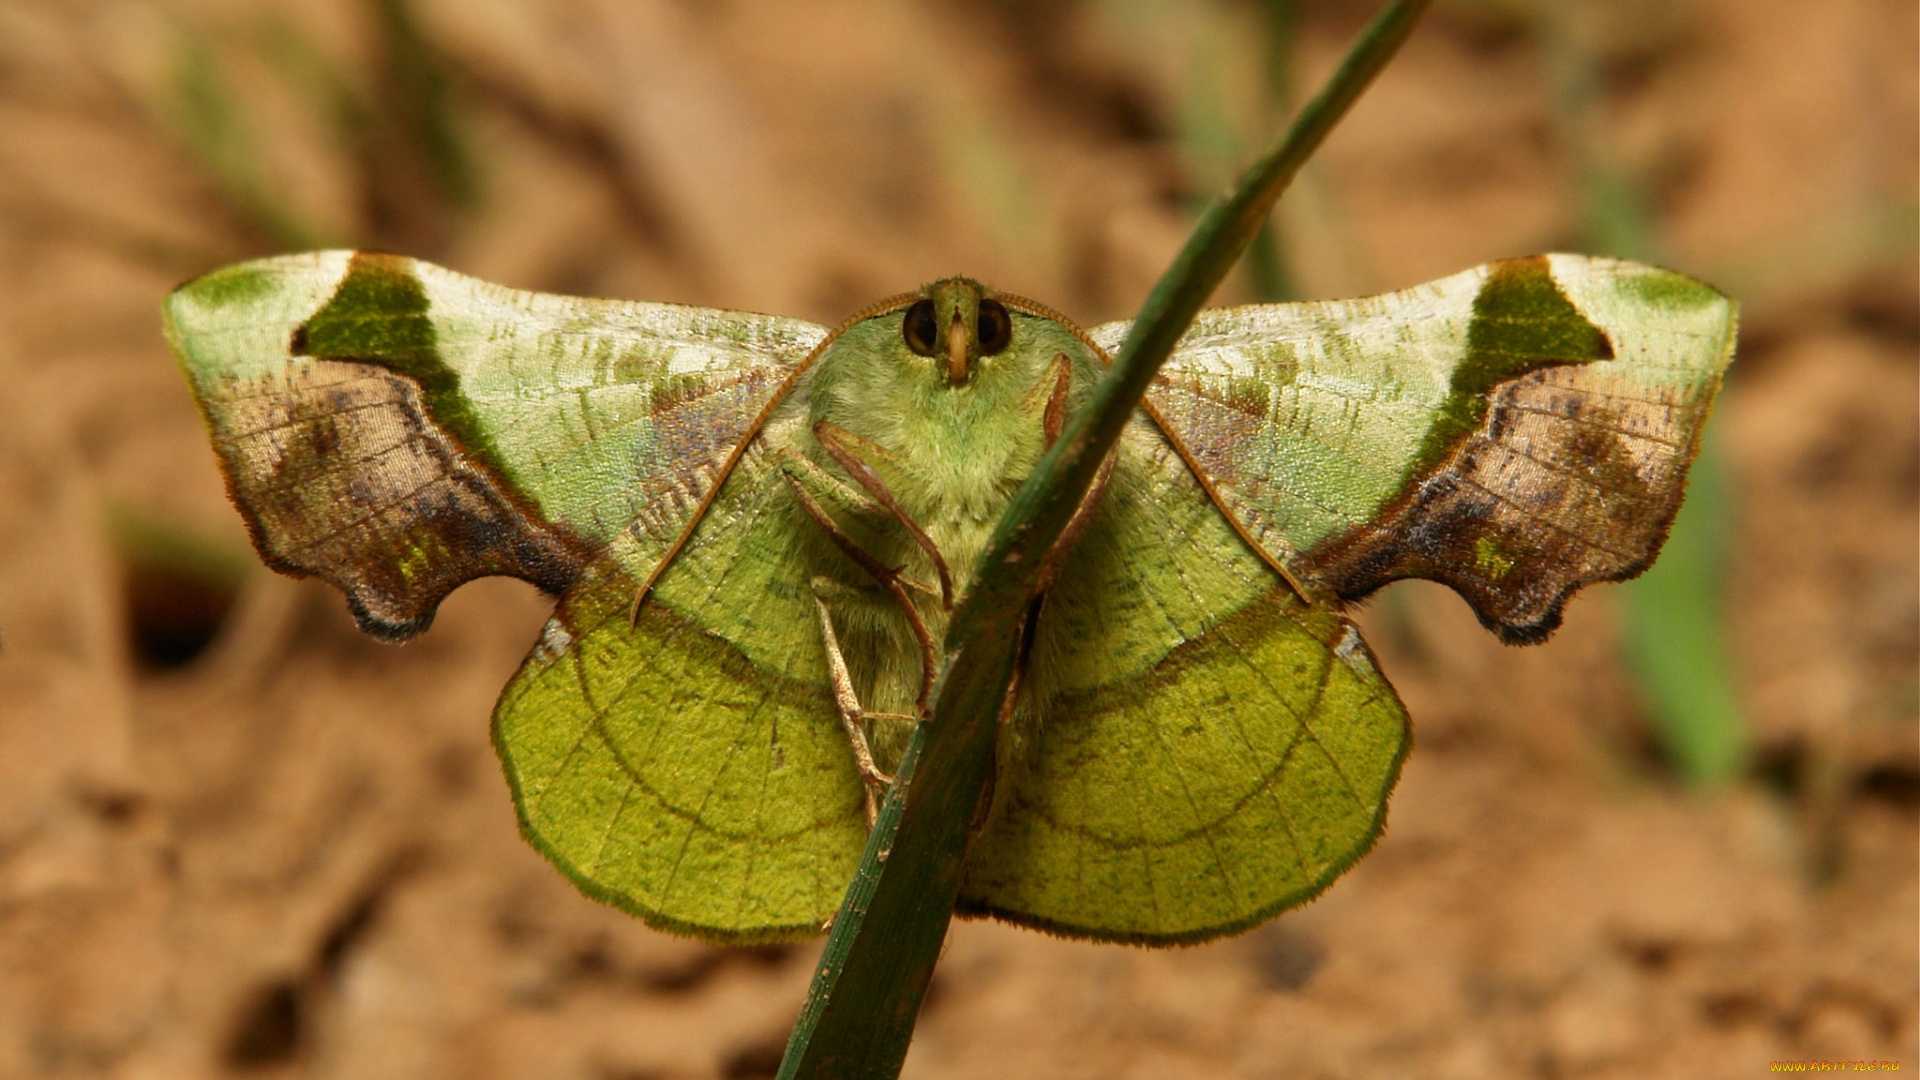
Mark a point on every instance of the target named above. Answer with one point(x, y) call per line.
point(1214, 122)
point(866, 993)
point(1268, 264)
point(420, 97)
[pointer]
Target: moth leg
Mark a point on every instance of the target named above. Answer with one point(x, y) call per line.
point(887, 576)
point(840, 443)
point(873, 781)
point(834, 494)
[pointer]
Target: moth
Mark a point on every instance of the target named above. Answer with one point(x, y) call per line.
point(757, 528)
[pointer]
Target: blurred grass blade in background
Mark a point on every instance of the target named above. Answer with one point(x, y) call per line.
point(416, 173)
point(393, 123)
point(1229, 100)
point(418, 88)
point(1676, 633)
point(1673, 616)
point(1268, 264)
point(211, 118)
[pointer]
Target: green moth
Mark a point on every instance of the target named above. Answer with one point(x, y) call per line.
point(757, 528)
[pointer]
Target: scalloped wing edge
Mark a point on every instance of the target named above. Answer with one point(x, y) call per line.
point(1567, 469)
point(301, 436)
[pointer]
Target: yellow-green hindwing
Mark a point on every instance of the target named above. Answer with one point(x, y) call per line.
point(1202, 748)
point(1201, 738)
point(688, 765)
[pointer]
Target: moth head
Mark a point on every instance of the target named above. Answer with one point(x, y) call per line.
point(955, 323)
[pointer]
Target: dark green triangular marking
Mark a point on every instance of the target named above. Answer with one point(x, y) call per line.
point(379, 315)
point(1521, 322)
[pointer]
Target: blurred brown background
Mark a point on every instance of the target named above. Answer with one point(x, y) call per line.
point(238, 839)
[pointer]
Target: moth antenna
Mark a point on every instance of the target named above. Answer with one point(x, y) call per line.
point(1213, 493)
point(881, 573)
point(870, 481)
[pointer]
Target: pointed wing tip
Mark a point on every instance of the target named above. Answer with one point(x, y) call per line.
point(1576, 471)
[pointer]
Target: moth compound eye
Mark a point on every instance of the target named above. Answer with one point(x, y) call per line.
point(994, 329)
point(920, 329)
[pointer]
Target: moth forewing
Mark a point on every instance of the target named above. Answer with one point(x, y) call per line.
point(1538, 417)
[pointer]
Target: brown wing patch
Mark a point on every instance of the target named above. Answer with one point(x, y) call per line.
point(341, 474)
point(1572, 477)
